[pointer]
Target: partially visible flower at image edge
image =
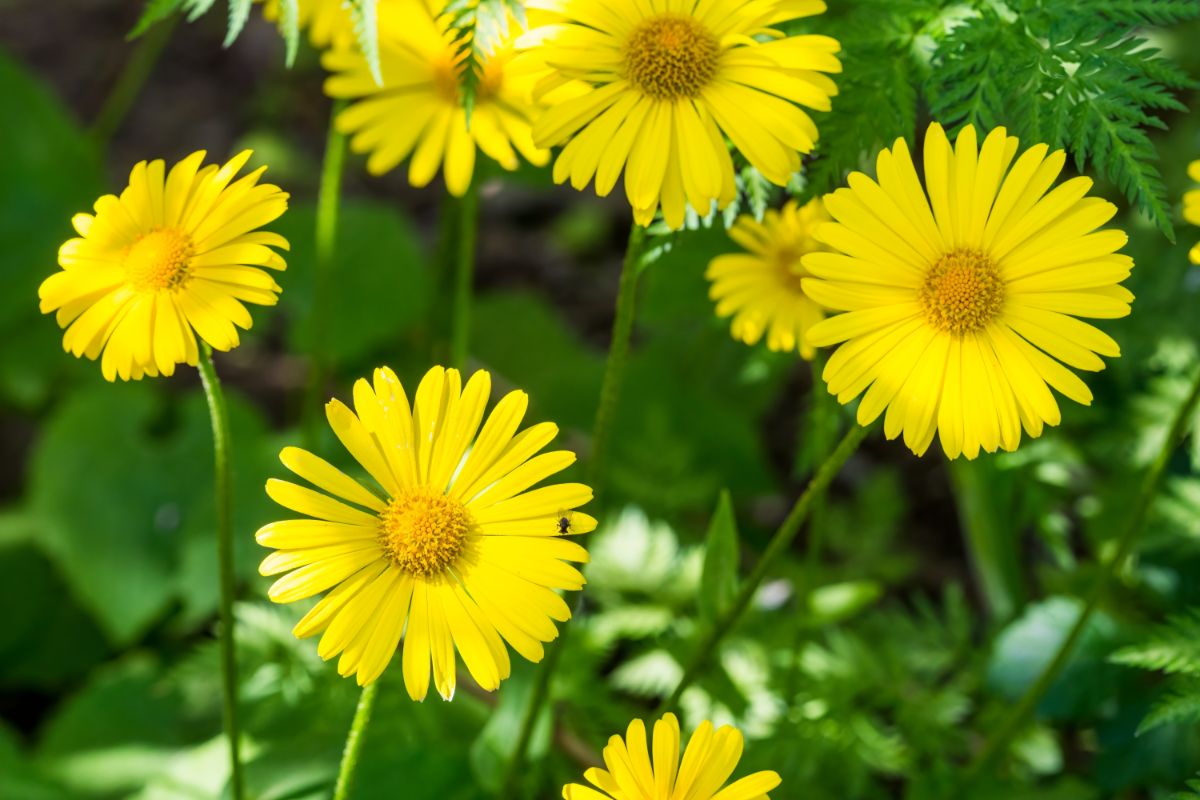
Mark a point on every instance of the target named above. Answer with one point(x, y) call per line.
point(174, 257)
point(642, 769)
point(418, 110)
point(1191, 207)
point(761, 288)
point(449, 547)
point(961, 296)
point(653, 87)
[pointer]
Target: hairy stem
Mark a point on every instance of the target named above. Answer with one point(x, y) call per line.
point(780, 541)
point(354, 742)
point(325, 238)
point(1019, 713)
point(618, 354)
point(219, 415)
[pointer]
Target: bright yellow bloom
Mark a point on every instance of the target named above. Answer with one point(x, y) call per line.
point(958, 316)
point(653, 87)
point(761, 289)
point(634, 774)
point(1191, 207)
point(449, 538)
point(174, 256)
point(418, 109)
point(328, 22)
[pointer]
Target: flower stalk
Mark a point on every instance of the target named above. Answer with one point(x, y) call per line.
point(1019, 713)
point(219, 415)
point(354, 741)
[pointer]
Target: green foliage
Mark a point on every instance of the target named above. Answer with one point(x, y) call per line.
point(719, 581)
point(1173, 648)
point(1073, 78)
point(479, 25)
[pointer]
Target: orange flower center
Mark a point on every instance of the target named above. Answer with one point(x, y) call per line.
point(671, 56)
point(962, 292)
point(424, 532)
point(448, 74)
point(159, 260)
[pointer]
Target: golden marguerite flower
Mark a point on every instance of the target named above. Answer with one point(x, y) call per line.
point(1191, 206)
point(449, 547)
point(176, 255)
point(418, 110)
point(761, 288)
point(328, 22)
point(641, 770)
point(653, 87)
point(961, 297)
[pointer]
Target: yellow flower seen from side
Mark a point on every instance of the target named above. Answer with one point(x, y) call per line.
point(1191, 207)
point(640, 769)
point(418, 110)
point(328, 22)
point(761, 288)
point(174, 256)
point(962, 297)
point(653, 87)
point(448, 546)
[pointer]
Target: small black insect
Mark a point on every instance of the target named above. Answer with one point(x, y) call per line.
point(564, 525)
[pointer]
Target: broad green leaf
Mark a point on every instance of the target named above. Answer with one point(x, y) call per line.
point(719, 580)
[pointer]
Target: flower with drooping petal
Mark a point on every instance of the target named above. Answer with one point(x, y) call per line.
point(962, 295)
point(174, 257)
point(653, 87)
point(418, 112)
point(447, 546)
point(638, 769)
point(761, 288)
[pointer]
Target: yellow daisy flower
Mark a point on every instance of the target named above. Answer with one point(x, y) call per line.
point(418, 109)
point(1191, 207)
point(328, 22)
point(449, 539)
point(659, 84)
point(174, 256)
point(761, 289)
point(961, 306)
point(708, 761)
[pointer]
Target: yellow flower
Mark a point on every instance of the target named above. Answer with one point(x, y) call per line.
point(710, 758)
point(958, 316)
point(654, 87)
point(328, 21)
point(1191, 207)
point(761, 289)
point(418, 109)
point(174, 256)
point(449, 537)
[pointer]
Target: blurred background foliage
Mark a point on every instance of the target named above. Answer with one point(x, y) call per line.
point(875, 669)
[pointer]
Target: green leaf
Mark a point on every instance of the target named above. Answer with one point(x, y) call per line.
point(289, 23)
point(719, 580)
point(1178, 704)
point(155, 11)
point(1173, 647)
point(366, 30)
point(492, 750)
point(239, 12)
point(837, 602)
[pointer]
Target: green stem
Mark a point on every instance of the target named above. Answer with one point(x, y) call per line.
point(780, 541)
point(219, 414)
point(618, 354)
point(1017, 716)
point(354, 741)
point(133, 77)
point(325, 239)
point(464, 276)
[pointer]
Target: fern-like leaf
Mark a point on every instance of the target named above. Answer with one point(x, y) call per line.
point(239, 12)
point(155, 11)
point(1179, 703)
point(1173, 648)
point(479, 26)
point(364, 15)
point(289, 24)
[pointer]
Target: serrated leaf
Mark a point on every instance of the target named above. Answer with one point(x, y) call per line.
point(155, 11)
point(718, 580)
point(289, 23)
point(239, 12)
point(1173, 648)
point(838, 602)
point(364, 15)
point(1180, 703)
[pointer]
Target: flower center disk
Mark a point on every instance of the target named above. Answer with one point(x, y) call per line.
point(159, 260)
point(962, 292)
point(423, 532)
point(670, 57)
